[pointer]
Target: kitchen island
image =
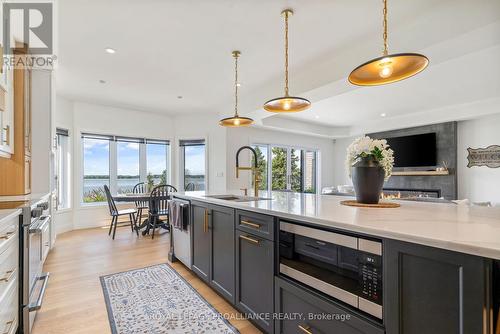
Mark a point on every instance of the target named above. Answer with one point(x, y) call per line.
point(420, 268)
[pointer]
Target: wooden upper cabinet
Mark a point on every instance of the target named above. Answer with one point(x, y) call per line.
point(15, 175)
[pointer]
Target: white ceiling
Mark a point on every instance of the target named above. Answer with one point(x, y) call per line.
point(171, 48)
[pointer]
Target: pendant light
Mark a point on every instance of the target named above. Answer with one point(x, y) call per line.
point(388, 68)
point(236, 120)
point(287, 103)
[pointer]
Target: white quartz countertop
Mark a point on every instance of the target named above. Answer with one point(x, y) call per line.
point(8, 214)
point(472, 230)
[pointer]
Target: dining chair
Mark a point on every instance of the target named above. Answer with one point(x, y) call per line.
point(140, 188)
point(158, 206)
point(189, 187)
point(115, 213)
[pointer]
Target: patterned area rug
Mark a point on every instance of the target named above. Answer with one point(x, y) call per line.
point(158, 300)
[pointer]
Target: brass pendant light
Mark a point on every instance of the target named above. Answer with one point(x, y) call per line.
point(236, 120)
point(287, 103)
point(388, 68)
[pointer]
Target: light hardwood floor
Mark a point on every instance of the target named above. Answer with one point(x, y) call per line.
point(74, 302)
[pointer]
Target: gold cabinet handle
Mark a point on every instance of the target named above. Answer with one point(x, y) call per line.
point(7, 235)
point(7, 135)
point(8, 323)
point(8, 276)
point(254, 225)
point(205, 223)
point(252, 240)
point(306, 329)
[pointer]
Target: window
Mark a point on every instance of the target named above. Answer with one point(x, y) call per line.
point(127, 164)
point(95, 168)
point(121, 163)
point(157, 162)
point(262, 158)
point(62, 169)
point(192, 164)
point(291, 168)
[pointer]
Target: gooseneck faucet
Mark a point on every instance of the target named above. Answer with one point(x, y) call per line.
point(254, 169)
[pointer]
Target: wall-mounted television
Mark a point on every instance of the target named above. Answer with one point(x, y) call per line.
point(414, 151)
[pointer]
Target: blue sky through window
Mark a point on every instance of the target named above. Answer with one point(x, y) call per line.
point(157, 158)
point(195, 159)
point(96, 156)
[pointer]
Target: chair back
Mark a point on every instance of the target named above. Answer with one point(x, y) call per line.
point(189, 187)
point(111, 202)
point(140, 188)
point(158, 200)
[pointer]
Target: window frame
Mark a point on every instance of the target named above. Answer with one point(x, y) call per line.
point(289, 148)
point(63, 170)
point(181, 165)
point(113, 160)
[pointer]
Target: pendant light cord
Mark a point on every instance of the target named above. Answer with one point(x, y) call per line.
point(286, 53)
point(386, 52)
point(235, 84)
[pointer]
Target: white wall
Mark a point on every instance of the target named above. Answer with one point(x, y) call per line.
point(340, 174)
point(478, 184)
point(238, 137)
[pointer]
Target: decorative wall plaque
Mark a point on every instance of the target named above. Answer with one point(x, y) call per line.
point(489, 156)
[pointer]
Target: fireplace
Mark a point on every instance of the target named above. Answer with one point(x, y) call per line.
point(410, 193)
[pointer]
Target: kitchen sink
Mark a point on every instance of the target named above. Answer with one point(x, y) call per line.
point(236, 198)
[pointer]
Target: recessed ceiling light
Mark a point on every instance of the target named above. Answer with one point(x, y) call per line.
point(110, 50)
point(383, 114)
point(317, 117)
point(102, 81)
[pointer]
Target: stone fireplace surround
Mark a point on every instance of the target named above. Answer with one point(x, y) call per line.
point(427, 185)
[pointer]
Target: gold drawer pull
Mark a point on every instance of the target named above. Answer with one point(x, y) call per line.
point(255, 241)
point(306, 329)
point(8, 323)
point(8, 276)
point(245, 222)
point(7, 235)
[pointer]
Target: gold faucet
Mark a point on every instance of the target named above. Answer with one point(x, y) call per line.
point(254, 169)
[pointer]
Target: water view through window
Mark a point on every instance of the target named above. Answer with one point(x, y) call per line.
point(127, 167)
point(193, 164)
point(95, 169)
point(135, 160)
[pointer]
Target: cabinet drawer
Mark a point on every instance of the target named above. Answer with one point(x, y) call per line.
point(255, 223)
point(304, 312)
point(9, 262)
point(9, 308)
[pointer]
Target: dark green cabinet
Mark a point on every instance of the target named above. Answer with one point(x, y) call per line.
point(255, 278)
point(433, 291)
point(302, 311)
point(222, 253)
point(201, 240)
point(213, 247)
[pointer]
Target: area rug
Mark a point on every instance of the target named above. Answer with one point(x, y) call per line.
point(158, 300)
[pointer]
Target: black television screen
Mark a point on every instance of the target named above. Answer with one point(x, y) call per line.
point(414, 151)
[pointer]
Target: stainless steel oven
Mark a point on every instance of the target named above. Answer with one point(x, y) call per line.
point(35, 220)
point(345, 267)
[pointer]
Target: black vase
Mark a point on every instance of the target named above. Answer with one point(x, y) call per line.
point(368, 180)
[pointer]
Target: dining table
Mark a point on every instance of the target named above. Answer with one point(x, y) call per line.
point(142, 197)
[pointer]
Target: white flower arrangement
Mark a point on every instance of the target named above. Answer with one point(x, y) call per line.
point(364, 147)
